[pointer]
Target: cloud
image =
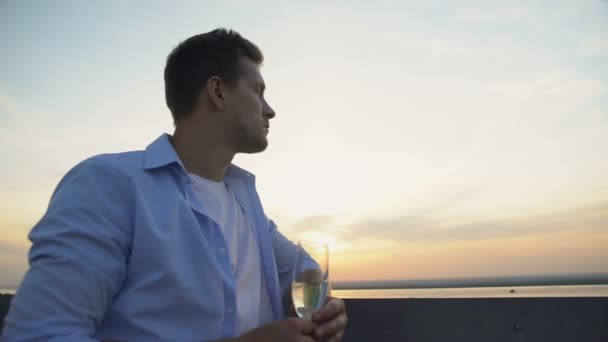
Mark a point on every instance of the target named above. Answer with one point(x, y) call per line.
point(7, 104)
point(594, 47)
point(433, 227)
point(511, 14)
point(321, 224)
point(313, 223)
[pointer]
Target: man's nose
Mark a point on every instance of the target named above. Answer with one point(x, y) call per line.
point(268, 111)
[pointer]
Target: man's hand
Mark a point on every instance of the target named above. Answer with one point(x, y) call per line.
point(331, 319)
point(287, 330)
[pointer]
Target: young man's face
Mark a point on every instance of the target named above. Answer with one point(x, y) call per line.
point(247, 110)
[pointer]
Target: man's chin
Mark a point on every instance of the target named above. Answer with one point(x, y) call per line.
point(252, 148)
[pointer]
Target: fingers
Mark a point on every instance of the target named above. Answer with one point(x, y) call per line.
point(333, 328)
point(338, 337)
point(333, 307)
point(306, 338)
point(332, 318)
point(303, 326)
point(327, 324)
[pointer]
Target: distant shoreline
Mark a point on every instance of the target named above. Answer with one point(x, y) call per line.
point(502, 281)
point(506, 281)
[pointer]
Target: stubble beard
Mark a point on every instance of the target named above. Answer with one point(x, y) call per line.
point(248, 142)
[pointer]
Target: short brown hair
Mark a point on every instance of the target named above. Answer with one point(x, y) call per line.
point(199, 58)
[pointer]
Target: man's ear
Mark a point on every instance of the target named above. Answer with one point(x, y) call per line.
point(215, 91)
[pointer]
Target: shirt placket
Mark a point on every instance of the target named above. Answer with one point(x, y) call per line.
point(246, 195)
point(222, 256)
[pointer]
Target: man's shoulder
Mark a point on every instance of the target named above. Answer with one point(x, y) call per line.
point(110, 166)
point(111, 174)
point(126, 161)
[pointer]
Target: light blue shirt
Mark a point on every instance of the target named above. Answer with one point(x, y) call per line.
point(125, 251)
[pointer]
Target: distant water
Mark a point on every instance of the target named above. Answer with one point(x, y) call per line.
point(467, 292)
point(479, 292)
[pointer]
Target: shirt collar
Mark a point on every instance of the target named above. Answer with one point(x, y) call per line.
point(234, 171)
point(161, 153)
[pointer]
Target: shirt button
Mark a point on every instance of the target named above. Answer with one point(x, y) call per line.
point(222, 250)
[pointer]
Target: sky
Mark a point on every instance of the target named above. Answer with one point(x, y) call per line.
point(422, 140)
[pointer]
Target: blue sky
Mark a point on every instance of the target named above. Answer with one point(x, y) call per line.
point(448, 136)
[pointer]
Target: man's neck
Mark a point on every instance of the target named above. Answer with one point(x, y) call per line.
point(200, 155)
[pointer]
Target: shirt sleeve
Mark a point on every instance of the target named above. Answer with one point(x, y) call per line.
point(77, 259)
point(285, 255)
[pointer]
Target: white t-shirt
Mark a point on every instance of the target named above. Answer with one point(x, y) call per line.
point(253, 304)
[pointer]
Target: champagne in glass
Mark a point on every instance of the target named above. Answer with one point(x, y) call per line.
point(310, 278)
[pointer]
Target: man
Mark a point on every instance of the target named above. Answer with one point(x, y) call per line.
point(171, 243)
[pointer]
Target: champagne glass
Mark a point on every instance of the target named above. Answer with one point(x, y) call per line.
point(310, 278)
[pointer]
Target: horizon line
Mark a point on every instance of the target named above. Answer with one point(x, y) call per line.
point(598, 278)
